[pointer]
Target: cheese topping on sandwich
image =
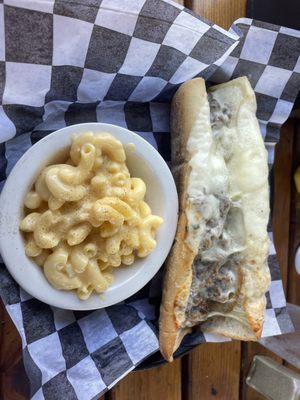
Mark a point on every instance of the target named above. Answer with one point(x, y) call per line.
point(216, 187)
point(217, 274)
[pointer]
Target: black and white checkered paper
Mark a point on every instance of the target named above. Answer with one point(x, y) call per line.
point(119, 61)
point(269, 55)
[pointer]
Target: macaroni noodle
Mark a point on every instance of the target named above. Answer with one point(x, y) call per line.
point(88, 216)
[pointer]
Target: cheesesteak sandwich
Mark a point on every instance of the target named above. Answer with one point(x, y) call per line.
point(217, 272)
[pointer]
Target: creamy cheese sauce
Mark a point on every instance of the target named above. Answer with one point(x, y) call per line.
point(221, 238)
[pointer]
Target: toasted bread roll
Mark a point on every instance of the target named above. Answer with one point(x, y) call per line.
point(217, 273)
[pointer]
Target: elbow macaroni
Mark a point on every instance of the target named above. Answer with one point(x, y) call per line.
point(88, 216)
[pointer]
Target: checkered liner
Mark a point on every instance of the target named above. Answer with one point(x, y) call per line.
point(114, 61)
point(269, 55)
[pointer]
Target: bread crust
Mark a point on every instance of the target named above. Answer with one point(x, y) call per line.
point(245, 320)
point(178, 273)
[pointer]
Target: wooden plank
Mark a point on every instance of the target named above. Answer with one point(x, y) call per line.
point(155, 384)
point(294, 278)
point(15, 384)
point(281, 213)
point(13, 380)
point(221, 12)
point(282, 196)
point(213, 371)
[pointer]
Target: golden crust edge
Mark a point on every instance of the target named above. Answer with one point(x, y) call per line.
point(180, 260)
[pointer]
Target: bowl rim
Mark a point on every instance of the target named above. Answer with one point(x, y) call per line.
point(157, 162)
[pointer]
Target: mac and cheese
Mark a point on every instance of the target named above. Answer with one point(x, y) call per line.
point(88, 216)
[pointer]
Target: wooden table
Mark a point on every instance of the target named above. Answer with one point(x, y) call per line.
point(211, 371)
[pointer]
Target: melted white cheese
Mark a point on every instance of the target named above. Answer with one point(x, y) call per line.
point(208, 203)
point(229, 160)
point(208, 175)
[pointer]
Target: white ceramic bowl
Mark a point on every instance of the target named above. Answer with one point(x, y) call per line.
point(145, 162)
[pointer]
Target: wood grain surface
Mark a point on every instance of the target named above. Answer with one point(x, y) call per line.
point(293, 277)
point(13, 380)
point(213, 371)
point(159, 383)
point(221, 12)
point(293, 292)
point(282, 193)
